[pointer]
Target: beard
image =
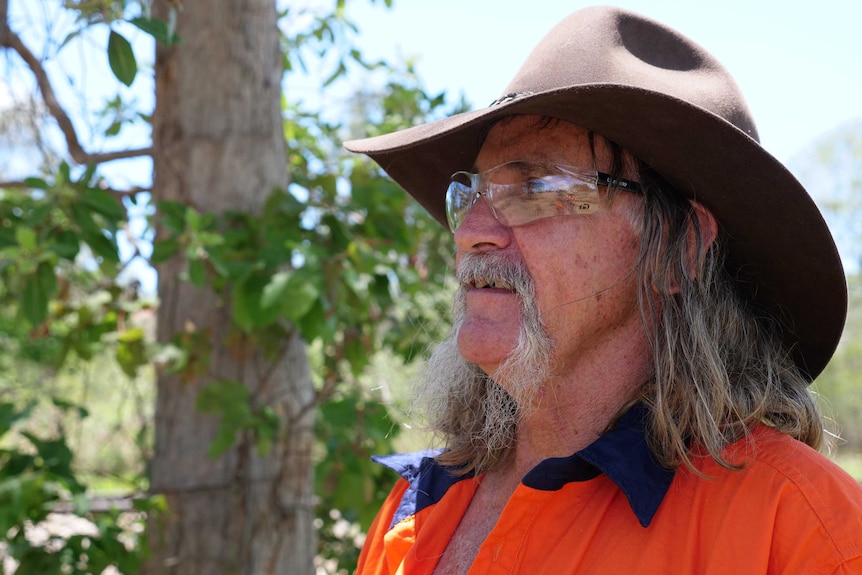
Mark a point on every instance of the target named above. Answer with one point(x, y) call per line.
point(460, 401)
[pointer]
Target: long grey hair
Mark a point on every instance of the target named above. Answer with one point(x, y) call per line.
point(720, 367)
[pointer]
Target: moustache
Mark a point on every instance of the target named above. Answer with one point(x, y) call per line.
point(491, 270)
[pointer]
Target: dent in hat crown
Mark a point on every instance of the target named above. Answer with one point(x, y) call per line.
point(609, 46)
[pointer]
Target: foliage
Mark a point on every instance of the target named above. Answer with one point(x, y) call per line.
point(345, 257)
point(36, 478)
point(840, 382)
point(342, 255)
point(830, 168)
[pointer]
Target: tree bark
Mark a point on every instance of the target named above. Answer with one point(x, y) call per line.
point(219, 145)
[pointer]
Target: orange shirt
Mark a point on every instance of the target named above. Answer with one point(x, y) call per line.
point(789, 511)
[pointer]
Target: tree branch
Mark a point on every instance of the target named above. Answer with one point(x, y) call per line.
point(4, 21)
point(21, 185)
point(9, 39)
point(14, 185)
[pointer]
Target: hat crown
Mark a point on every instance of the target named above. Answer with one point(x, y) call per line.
point(609, 46)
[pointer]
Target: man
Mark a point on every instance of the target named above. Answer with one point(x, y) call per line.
point(645, 295)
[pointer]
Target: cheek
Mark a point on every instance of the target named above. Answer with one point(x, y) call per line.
point(584, 270)
point(565, 277)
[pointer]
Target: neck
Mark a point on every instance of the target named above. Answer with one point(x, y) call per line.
point(571, 412)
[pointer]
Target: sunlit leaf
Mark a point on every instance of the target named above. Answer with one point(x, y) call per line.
point(131, 351)
point(290, 294)
point(26, 238)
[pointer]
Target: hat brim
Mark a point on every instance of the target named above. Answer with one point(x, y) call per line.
point(779, 246)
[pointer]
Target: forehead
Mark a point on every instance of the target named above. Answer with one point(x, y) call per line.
point(537, 138)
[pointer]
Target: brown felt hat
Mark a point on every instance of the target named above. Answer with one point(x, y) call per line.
point(666, 100)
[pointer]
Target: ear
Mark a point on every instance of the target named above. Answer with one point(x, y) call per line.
point(700, 236)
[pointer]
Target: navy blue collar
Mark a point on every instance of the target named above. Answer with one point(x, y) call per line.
point(623, 455)
point(620, 453)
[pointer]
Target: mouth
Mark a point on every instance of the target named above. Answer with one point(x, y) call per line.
point(491, 284)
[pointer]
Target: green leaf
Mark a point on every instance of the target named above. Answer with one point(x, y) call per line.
point(104, 247)
point(114, 128)
point(164, 250)
point(122, 58)
point(231, 402)
point(266, 429)
point(291, 294)
point(338, 232)
point(158, 29)
point(84, 220)
point(224, 396)
point(67, 244)
point(69, 406)
point(87, 175)
point(340, 71)
point(56, 458)
point(313, 324)
point(37, 183)
point(64, 173)
point(299, 299)
point(197, 272)
point(131, 351)
point(26, 238)
point(9, 415)
point(173, 216)
point(38, 289)
point(247, 302)
point(274, 291)
point(356, 355)
point(104, 203)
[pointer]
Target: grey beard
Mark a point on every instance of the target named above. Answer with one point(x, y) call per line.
point(453, 388)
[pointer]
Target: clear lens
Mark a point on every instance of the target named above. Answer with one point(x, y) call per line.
point(522, 192)
point(459, 197)
point(544, 197)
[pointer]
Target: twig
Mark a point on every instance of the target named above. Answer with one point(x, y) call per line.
point(22, 185)
point(9, 39)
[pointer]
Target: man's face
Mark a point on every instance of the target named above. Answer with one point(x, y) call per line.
point(582, 265)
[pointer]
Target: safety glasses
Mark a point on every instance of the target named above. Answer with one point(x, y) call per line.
point(521, 192)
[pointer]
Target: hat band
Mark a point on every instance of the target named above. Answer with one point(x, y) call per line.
point(509, 97)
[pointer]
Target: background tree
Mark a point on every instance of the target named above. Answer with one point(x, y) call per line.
point(251, 270)
point(291, 279)
point(832, 168)
point(218, 145)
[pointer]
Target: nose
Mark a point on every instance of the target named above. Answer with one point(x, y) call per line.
point(481, 231)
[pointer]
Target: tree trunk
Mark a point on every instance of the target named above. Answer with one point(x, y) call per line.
point(219, 145)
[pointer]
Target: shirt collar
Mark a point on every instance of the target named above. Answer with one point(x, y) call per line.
point(621, 453)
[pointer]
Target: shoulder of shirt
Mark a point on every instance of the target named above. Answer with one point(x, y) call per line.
point(797, 478)
point(796, 462)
